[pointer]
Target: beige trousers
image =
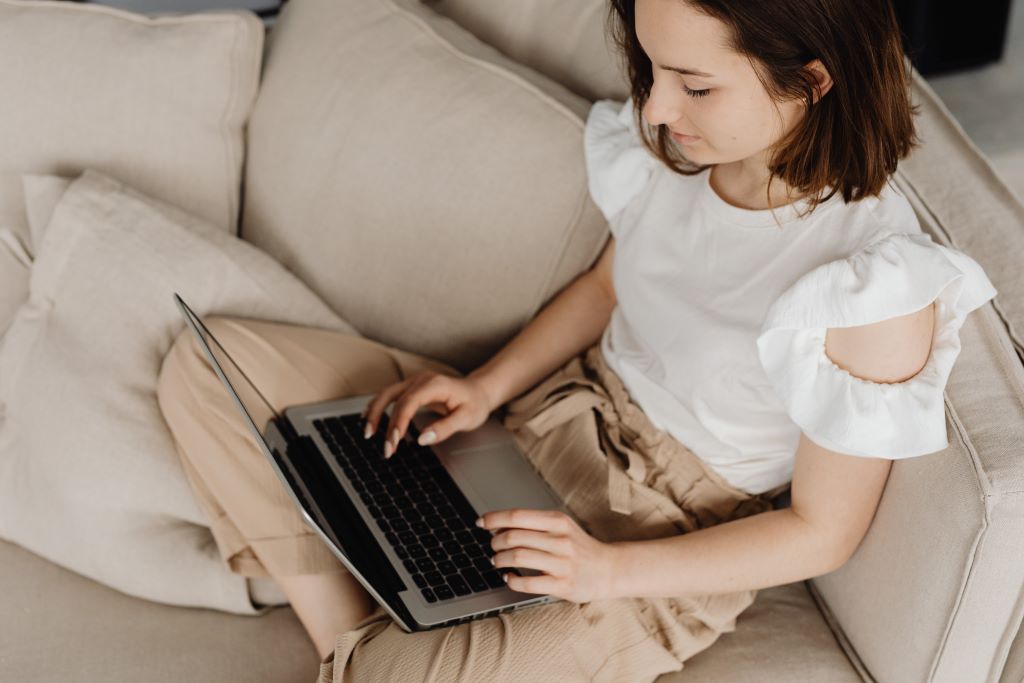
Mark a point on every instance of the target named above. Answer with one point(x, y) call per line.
point(620, 475)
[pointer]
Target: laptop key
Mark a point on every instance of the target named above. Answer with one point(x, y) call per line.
point(434, 578)
point(474, 580)
point(437, 553)
point(425, 564)
point(428, 595)
point(420, 581)
point(464, 537)
point(453, 547)
point(392, 538)
point(410, 566)
point(446, 567)
point(483, 564)
point(401, 552)
point(416, 550)
point(383, 524)
point(482, 535)
point(429, 541)
point(494, 579)
point(459, 585)
point(462, 560)
point(375, 511)
point(443, 592)
point(399, 525)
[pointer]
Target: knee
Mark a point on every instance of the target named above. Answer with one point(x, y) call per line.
point(185, 362)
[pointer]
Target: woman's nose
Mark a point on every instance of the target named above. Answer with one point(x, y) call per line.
point(661, 108)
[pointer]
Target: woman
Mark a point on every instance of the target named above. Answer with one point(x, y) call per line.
point(766, 314)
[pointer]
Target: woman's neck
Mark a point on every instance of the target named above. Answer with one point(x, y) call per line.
point(744, 184)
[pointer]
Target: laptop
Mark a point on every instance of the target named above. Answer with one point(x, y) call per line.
point(404, 526)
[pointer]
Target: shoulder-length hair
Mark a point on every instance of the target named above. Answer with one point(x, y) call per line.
point(852, 138)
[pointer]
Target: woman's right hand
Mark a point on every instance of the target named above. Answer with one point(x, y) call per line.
point(463, 401)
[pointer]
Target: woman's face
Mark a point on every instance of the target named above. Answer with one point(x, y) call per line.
point(719, 103)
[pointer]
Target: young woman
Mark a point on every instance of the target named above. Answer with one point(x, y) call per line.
point(767, 314)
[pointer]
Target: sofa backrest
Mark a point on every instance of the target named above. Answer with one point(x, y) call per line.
point(934, 593)
point(382, 170)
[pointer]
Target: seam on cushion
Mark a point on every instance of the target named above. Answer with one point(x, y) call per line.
point(505, 73)
point(229, 104)
point(838, 633)
point(987, 500)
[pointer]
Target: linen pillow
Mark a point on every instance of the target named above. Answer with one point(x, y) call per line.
point(160, 100)
point(89, 476)
point(392, 152)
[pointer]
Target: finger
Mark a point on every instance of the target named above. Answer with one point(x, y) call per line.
point(442, 429)
point(529, 558)
point(522, 518)
point(527, 538)
point(381, 401)
point(429, 388)
point(542, 584)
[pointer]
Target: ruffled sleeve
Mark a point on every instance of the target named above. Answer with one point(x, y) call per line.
point(618, 164)
point(895, 275)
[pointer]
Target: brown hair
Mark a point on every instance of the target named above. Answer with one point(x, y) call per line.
point(853, 137)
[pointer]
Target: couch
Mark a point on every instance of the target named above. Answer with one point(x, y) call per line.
point(338, 189)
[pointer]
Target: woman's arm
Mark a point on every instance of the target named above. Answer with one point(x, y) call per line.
point(834, 498)
point(571, 322)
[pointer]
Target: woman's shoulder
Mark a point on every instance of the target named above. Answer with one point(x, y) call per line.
point(891, 278)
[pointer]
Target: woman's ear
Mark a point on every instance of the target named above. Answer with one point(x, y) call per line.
point(821, 79)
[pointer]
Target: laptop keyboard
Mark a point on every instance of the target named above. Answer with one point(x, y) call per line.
point(423, 514)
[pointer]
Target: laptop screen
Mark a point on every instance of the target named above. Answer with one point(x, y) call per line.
point(253, 404)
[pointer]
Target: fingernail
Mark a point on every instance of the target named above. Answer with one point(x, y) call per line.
point(388, 449)
point(394, 435)
point(368, 432)
point(427, 438)
point(504, 577)
point(479, 521)
point(492, 560)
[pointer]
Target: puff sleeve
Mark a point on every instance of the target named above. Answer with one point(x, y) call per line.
point(617, 162)
point(895, 275)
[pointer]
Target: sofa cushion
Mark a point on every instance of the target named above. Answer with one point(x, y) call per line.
point(563, 40)
point(89, 474)
point(56, 625)
point(781, 637)
point(428, 188)
point(112, 637)
point(162, 101)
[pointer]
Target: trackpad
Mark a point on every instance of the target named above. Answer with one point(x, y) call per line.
point(499, 477)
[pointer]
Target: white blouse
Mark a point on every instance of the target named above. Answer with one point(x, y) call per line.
point(719, 330)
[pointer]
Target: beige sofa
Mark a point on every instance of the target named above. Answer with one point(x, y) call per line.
point(354, 192)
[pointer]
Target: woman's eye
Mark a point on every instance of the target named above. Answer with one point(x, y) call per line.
point(696, 93)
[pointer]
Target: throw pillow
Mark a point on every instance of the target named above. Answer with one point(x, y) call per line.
point(89, 477)
point(392, 151)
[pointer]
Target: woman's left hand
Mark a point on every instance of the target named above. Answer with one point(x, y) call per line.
point(576, 566)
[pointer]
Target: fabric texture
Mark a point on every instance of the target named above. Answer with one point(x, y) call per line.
point(160, 100)
point(561, 40)
point(722, 312)
point(88, 470)
point(577, 427)
point(392, 151)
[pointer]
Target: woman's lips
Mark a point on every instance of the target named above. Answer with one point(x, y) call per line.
point(684, 139)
